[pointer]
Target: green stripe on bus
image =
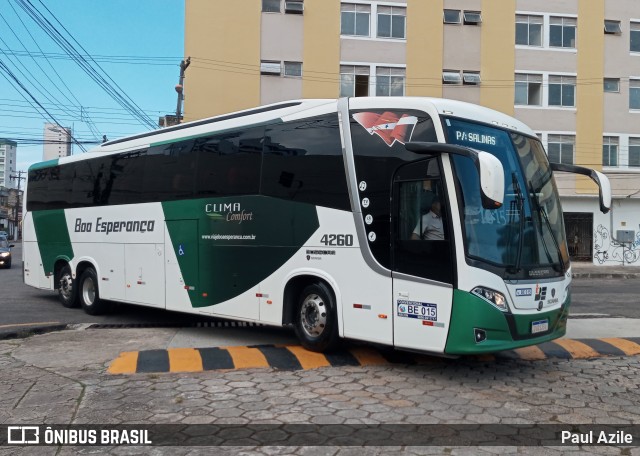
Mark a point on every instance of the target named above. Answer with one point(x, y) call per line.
point(53, 237)
point(226, 246)
point(44, 164)
point(469, 312)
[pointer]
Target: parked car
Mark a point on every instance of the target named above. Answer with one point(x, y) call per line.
point(5, 253)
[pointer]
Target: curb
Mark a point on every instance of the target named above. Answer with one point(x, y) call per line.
point(28, 331)
point(294, 357)
point(605, 275)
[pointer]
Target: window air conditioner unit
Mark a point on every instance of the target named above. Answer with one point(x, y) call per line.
point(271, 68)
point(293, 7)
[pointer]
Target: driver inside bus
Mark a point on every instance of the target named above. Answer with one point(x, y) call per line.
point(430, 227)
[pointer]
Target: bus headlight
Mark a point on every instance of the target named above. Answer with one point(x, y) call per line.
point(4, 254)
point(493, 297)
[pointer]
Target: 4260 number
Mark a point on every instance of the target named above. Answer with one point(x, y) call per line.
point(337, 239)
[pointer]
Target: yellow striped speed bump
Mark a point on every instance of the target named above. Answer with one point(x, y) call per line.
point(294, 357)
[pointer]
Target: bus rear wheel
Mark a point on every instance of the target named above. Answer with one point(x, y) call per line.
point(316, 319)
point(89, 293)
point(67, 288)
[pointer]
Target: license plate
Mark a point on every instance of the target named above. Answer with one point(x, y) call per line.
point(539, 326)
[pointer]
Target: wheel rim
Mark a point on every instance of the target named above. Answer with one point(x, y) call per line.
point(66, 286)
point(313, 315)
point(88, 292)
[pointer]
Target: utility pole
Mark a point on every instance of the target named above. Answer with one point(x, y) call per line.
point(16, 225)
point(179, 88)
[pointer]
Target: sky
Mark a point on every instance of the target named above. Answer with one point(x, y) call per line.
point(134, 47)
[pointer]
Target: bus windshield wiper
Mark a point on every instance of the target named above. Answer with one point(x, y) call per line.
point(543, 215)
point(520, 202)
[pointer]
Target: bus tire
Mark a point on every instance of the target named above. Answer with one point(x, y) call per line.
point(316, 319)
point(89, 294)
point(67, 292)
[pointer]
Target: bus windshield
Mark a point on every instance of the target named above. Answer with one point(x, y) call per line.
point(527, 232)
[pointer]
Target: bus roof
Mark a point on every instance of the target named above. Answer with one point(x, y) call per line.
point(295, 108)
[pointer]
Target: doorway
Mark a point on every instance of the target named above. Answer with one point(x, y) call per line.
point(579, 229)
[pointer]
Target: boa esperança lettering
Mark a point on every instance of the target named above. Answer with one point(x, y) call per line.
point(119, 226)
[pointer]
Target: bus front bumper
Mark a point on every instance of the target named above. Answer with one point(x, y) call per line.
point(478, 327)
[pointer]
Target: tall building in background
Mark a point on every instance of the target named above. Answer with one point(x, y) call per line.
point(7, 162)
point(57, 142)
point(570, 69)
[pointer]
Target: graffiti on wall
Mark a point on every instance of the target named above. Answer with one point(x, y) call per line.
point(608, 250)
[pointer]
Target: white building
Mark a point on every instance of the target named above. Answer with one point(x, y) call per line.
point(7, 162)
point(57, 142)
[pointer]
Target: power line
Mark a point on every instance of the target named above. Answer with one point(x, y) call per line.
point(98, 75)
point(10, 76)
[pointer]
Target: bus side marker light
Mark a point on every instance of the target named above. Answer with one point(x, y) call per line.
point(383, 316)
point(362, 306)
point(269, 301)
point(204, 295)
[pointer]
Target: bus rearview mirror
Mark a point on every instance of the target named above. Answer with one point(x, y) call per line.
point(489, 167)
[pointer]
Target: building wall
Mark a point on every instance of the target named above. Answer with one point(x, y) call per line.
point(7, 163)
point(624, 215)
point(223, 40)
point(57, 142)
point(321, 55)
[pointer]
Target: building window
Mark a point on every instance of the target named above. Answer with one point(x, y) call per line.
point(472, 17)
point(560, 148)
point(562, 32)
point(471, 78)
point(451, 77)
point(270, 67)
point(612, 27)
point(293, 69)
point(562, 91)
point(635, 37)
point(270, 6)
point(634, 152)
point(612, 85)
point(390, 82)
point(451, 16)
point(528, 89)
point(610, 151)
point(391, 22)
point(354, 19)
point(354, 81)
point(529, 30)
point(634, 94)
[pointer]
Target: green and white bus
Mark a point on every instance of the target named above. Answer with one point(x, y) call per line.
point(425, 224)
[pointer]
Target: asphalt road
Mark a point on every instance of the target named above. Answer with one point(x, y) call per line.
point(21, 305)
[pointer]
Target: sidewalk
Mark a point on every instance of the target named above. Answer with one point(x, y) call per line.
point(584, 270)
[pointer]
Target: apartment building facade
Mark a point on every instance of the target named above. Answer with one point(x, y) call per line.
point(7, 162)
point(570, 69)
point(57, 142)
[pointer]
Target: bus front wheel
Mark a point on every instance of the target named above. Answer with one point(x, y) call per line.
point(67, 288)
point(316, 319)
point(89, 294)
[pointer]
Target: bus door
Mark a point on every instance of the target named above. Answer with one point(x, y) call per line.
point(422, 257)
point(182, 264)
